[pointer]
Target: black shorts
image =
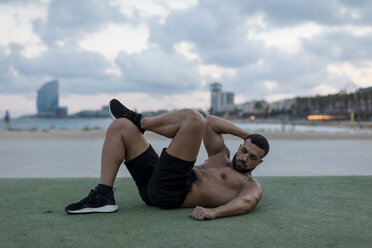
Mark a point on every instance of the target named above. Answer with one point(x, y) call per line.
point(162, 182)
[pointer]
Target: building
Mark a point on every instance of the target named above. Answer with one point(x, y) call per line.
point(103, 113)
point(361, 90)
point(281, 106)
point(48, 101)
point(253, 108)
point(221, 101)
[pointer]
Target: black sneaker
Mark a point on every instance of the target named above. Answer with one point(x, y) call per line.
point(118, 110)
point(93, 203)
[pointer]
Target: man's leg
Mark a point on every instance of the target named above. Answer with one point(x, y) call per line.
point(172, 177)
point(184, 127)
point(123, 142)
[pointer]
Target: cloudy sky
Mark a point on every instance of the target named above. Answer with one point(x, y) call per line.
point(156, 54)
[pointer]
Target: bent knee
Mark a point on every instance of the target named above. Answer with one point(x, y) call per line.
point(121, 124)
point(194, 116)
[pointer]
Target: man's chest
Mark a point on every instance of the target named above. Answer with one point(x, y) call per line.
point(224, 177)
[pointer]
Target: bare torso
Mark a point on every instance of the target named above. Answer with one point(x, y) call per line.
point(218, 183)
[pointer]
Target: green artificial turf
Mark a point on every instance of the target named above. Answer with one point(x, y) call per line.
point(294, 212)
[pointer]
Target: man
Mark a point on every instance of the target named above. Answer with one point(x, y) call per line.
point(7, 119)
point(217, 188)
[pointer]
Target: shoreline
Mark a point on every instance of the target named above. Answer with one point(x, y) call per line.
point(99, 134)
point(361, 125)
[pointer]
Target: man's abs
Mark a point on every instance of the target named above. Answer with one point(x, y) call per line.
point(214, 187)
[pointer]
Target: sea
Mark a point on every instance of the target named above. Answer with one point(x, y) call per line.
point(102, 123)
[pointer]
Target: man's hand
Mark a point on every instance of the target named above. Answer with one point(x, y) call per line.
point(200, 213)
point(242, 204)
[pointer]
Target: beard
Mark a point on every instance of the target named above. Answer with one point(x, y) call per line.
point(238, 168)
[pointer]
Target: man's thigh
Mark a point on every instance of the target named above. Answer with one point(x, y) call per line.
point(186, 143)
point(170, 182)
point(141, 169)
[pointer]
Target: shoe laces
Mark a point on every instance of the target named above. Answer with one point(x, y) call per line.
point(93, 197)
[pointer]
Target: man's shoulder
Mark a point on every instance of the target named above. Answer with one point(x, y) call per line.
point(252, 192)
point(251, 183)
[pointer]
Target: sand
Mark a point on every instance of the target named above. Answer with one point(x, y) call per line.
point(100, 135)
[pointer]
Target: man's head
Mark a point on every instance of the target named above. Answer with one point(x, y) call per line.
point(250, 153)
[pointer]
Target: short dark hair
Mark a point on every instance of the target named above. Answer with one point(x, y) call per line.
point(259, 141)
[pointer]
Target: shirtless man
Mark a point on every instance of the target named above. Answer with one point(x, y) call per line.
point(219, 187)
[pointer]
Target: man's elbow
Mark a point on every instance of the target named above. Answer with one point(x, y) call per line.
point(208, 118)
point(248, 206)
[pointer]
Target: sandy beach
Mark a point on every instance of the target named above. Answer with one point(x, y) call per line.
point(99, 134)
point(59, 153)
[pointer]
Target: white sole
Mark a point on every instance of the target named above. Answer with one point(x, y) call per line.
point(104, 209)
point(112, 116)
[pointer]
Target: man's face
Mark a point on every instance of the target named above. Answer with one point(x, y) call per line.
point(247, 157)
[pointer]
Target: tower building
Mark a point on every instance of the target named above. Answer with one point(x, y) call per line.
point(47, 101)
point(221, 101)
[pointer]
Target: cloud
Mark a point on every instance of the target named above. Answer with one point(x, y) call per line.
point(293, 74)
point(115, 38)
point(5, 67)
point(285, 38)
point(78, 70)
point(340, 45)
point(271, 85)
point(218, 31)
point(292, 12)
point(261, 49)
point(63, 62)
point(361, 74)
point(290, 42)
point(70, 26)
point(70, 20)
point(157, 71)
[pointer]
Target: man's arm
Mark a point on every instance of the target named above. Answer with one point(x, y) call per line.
point(242, 204)
point(214, 128)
